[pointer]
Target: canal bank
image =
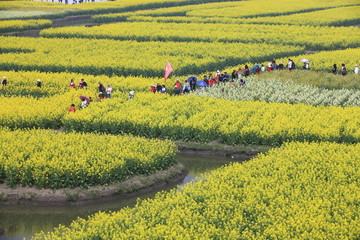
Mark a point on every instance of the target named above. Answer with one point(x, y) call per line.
point(23, 221)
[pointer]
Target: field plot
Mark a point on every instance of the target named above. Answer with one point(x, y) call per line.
point(255, 8)
point(235, 9)
point(329, 38)
point(29, 112)
point(320, 79)
point(341, 16)
point(325, 60)
point(36, 9)
point(305, 188)
point(19, 25)
point(275, 90)
point(208, 119)
point(23, 83)
point(57, 160)
point(126, 58)
point(298, 191)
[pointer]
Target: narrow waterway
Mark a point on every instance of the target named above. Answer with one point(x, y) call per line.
point(23, 221)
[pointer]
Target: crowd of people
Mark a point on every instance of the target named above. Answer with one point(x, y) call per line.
point(240, 74)
point(104, 92)
point(192, 83)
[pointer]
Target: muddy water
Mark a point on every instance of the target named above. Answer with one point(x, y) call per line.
point(18, 222)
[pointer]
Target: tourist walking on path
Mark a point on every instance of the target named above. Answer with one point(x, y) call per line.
point(356, 69)
point(343, 70)
point(334, 69)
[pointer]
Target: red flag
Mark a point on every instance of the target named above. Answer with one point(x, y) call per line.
point(167, 71)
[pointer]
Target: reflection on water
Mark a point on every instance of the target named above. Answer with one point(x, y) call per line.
point(21, 221)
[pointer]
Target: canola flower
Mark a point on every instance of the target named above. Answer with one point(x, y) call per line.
point(20, 25)
point(30, 112)
point(338, 16)
point(232, 122)
point(23, 83)
point(275, 90)
point(298, 191)
point(261, 8)
point(44, 9)
point(308, 36)
point(235, 9)
point(109, 57)
point(46, 159)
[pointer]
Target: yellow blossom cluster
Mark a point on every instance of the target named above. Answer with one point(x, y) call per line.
point(20, 25)
point(233, 122)
point(308, 36)
point(108, 57)
point(298, 191)
point(46, 159)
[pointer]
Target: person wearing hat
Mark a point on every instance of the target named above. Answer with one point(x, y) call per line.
point(152, 88)
point(108, 91)
point(101, 88)
point(4, 82)
point(356, 69)
point(38, 83)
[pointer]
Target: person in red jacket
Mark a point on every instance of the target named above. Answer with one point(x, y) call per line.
point(72, 108)
point(178, 84)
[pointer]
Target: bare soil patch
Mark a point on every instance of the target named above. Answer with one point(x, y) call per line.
point(61, 22)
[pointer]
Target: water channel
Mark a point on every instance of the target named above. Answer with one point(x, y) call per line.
point(71, 1)
point(23, 221)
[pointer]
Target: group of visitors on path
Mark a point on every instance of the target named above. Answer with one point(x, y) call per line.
point(104, 93)
point(343, 70)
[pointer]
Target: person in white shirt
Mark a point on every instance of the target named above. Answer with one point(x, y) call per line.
point(356, 69)
point(262, 68)
point(108, 91)
point(83, 104)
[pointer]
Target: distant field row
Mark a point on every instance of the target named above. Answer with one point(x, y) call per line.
point(20, 25)
point(126, 58)
point(22, 83)
point(37, 9)
point(235, 9)
point(342, 16)
point(329, 38)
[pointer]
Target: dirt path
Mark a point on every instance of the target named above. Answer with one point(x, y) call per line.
point(71, 20)
point(61, 22)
